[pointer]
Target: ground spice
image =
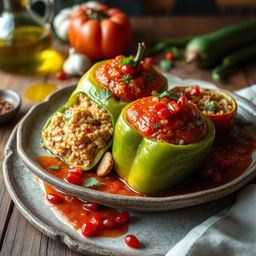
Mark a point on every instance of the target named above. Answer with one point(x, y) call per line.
point(5, 106)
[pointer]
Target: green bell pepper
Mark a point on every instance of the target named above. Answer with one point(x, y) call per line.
point(150, 166)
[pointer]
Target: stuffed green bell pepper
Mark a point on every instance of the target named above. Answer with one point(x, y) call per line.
point(81, 131)
point(159, 141)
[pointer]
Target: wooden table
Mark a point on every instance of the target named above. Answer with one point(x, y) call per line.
point(17, 236)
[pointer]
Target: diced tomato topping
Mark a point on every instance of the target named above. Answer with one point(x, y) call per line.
point(195, 91)
point(74, 179)
point(164, 113)
point(90, 206)
point(88, 130)
point(76, 170)
point(54, 199)
point(173, 107)
point(97, 219)
point(169, 56)
point(127, 69)
point(159, 106)
point(61, 75)
point(149, 60)
point(225, 163)
point(82, 146)
point(122, 218)
point(132, 241)
point(183, 102)
point(90, 229)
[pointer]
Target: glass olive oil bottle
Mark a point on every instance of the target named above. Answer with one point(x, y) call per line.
point(25, 38)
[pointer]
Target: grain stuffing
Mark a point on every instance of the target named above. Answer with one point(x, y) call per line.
point(80, 133)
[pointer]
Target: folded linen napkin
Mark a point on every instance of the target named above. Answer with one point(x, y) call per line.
point(232, 232)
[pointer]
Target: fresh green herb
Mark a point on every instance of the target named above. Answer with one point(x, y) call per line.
point(156, 126)
point(211, 106)
point(90, 182)
point(104, 94)
point(128, 60)
point(68, 115)
point(171, 94)
point(165, 65)
point(126, 79)
point(150, 77)
point(197, 123)
point(54, 167)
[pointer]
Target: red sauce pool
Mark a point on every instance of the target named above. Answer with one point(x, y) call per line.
point(168, 120)
point(129, 83)
point(229, 157)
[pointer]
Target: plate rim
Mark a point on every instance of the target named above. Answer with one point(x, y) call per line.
point(138, 203)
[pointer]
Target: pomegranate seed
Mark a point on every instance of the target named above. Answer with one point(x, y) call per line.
point(126, 69)
point(132, 241)
point(159, 106)
point(173, 107)
point(195, 91)
point(169, 56)
point(76, 170)
point(97, 219)
point(90, 206)
point(109, 223)
point(122, 218)
point(225, 163)
point(82, 146)
point(149, 60)
point(182, 102)
point(89, 229)
point(61, 75)
point(164, 113)
point(54, 198)
point(74, 179)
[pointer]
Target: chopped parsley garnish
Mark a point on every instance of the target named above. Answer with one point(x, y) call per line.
point(197, 123)
point(104, 94)
point(128, 60)
point(54, 167)
point(67, 115)
point(126, 79)
point(150, 77)
point(211, 106)
point(156, 126)
point(90, 182)
point(171, 94)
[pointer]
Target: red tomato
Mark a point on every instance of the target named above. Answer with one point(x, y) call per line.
point(54, 198)
point(74, 179)
point(127, 69)
point(61, 75)
point(99, 33)
point(169, 56)
point(195, 91)
point(173, 107)
point(77, 170)
point(164, 113)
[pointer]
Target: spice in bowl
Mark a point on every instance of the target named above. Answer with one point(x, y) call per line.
point(5, 106)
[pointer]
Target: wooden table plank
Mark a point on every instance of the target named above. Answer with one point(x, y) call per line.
point(13, 226)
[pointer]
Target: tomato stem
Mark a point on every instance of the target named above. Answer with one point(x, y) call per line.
point(140, 52)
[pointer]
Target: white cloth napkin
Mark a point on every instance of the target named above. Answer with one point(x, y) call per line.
point(232, 232)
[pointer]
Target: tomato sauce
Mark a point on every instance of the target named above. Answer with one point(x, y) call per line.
point(229, 157)
point(76, 213)
point(127, 82)
point(168, 120)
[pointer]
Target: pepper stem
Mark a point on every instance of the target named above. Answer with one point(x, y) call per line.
point(140, 52)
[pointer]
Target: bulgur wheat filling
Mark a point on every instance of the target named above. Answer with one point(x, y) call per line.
point(80, 133)
point(210, 102)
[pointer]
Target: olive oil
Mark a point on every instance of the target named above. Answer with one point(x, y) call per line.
point(25, 40)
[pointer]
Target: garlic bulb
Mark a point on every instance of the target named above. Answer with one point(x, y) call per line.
point(76, 63)
point(61, 20)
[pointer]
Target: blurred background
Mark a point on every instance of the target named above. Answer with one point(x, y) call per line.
point(176, 7)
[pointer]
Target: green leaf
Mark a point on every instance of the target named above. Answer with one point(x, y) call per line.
point(171, 94)
point(126, 79)
point(165, 64)
point(54, 167)
point(104, 94)
point(156, 126)
point(211, 106)
point(128, 60)
point(67, 115)
point(197, 123)
point(150, 77)
point(90, 182)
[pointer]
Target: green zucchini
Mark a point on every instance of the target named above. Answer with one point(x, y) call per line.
point(235, 58)
point(207, 50)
